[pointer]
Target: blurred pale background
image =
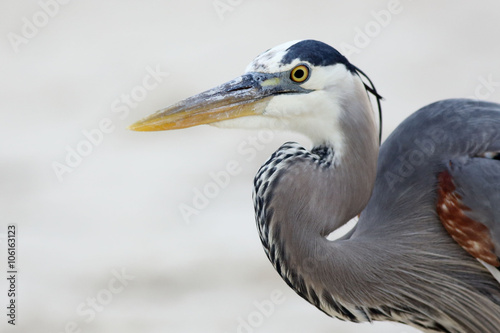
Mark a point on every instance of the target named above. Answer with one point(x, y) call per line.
point(118, 210)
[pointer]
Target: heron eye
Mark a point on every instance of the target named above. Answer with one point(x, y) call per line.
point(299, 74)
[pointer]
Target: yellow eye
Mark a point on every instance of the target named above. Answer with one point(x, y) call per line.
point(299, 74)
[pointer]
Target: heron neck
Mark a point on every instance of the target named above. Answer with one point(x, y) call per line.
point(302, 196)
point(344, 186)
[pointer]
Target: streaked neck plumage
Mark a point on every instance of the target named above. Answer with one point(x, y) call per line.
point(302, 196)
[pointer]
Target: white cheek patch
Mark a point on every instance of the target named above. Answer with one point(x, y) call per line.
point(315, 115)
point(323, 77)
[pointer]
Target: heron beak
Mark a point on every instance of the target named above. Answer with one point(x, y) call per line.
point(246, 95)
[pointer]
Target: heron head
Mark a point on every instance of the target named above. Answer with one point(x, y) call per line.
point(301, 86)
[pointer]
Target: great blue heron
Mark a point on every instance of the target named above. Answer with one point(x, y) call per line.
point(438, 175)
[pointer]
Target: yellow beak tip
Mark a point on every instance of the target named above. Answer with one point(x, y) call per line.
point(135, 127)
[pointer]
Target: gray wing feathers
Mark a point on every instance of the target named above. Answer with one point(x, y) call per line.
point(477, 181)
point(419, 149)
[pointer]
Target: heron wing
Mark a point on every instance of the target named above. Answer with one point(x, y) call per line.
point(469, 204)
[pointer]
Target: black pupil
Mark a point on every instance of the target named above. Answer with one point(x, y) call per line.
point(299, 73)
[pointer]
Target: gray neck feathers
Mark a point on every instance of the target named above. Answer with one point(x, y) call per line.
point(302, 196)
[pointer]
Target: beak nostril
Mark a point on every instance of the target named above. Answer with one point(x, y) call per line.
point(240, 88)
